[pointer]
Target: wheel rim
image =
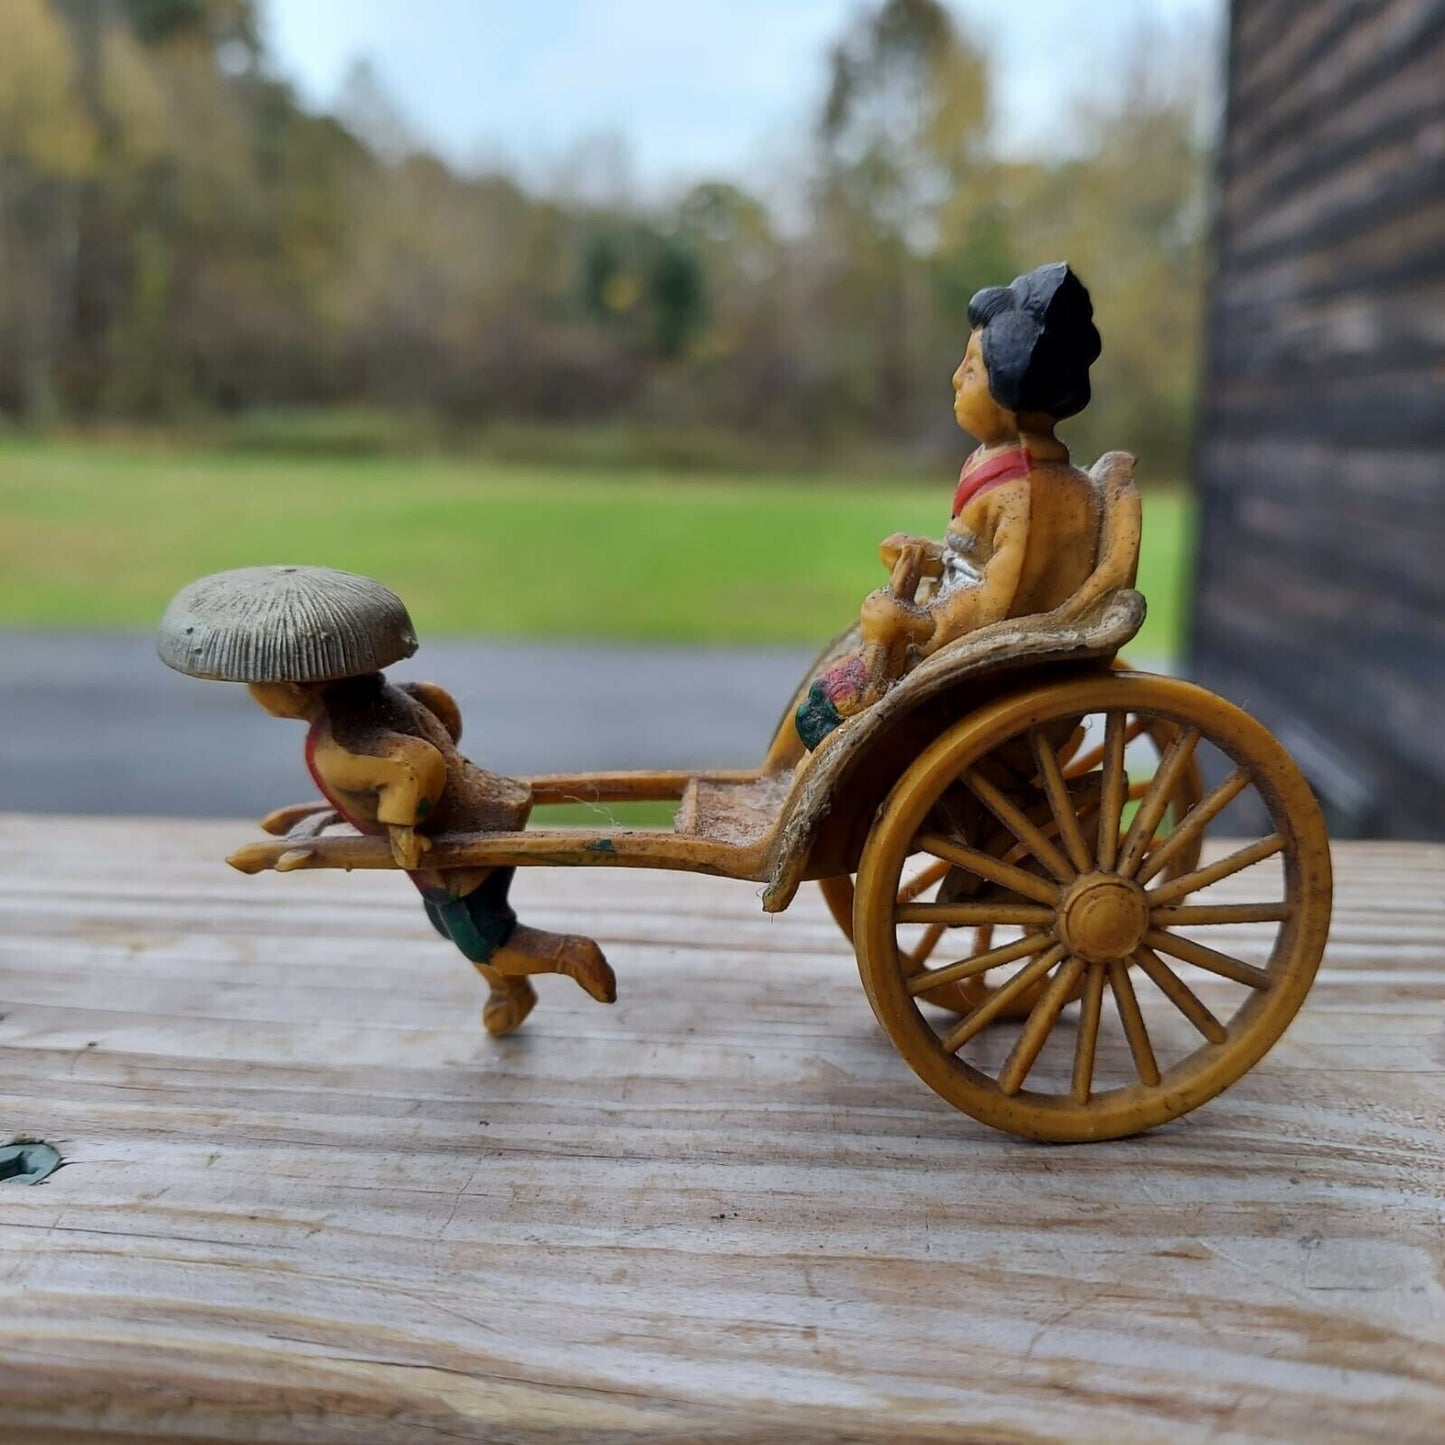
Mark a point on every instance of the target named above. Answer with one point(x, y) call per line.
point(1090, 917)
point(923, 876)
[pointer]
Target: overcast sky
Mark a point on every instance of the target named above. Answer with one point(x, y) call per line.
point(691, 87)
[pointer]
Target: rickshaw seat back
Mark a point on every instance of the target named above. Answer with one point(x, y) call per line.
point(1026, 645)
point(1090, 626)
point(1121, 528)
point(1116, 567)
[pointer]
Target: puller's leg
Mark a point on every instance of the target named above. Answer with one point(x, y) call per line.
point(509, 1003)
point(534, 950)
point(484, 927)
point(516, 951)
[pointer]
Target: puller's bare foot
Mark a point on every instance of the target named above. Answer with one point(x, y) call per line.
point(512, 999)
point(582, 961)
point(533, 950)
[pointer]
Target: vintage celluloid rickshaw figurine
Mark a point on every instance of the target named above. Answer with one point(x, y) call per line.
point(1008, 824)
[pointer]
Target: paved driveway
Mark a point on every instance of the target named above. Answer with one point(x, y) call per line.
point(94, 723)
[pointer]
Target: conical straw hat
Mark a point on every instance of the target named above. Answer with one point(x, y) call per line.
point(284, 624)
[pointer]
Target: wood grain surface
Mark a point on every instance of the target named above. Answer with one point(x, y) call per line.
point(306, 1199)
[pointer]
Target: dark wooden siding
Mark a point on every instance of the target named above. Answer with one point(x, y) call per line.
point(1320, 592)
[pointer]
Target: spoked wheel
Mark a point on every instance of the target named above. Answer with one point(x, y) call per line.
point(925, 878)
point(1092, 907)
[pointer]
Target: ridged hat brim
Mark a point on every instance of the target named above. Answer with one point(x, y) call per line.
point(284, 624)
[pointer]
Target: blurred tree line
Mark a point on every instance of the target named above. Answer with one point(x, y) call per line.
point(179, 235)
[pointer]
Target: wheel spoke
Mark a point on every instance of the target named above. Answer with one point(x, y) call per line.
point(1027, 947)
point(1236, 862)
point(1088, 1041)
point(1181, 995)
point(1039, 1026)
point(987, 866)
point(1072, 744)
point(1060, 802)
point(1193, 823)
point(978, 915)
point(1050, 830)
point(934, 873)
point(1157, 799)
point(1210, 959)
point(1189, 914)
point(1128, 1004)
point(1077, 767)
point(926, 945)
point(1026, 832)
point(1111, 800)
point(1000, 999)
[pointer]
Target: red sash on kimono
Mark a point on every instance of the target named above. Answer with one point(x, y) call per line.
point(980, 475)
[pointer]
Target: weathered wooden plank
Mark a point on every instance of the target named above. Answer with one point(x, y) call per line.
point(1324, 83)
point(1321, 573)
point(1383, 411)
point(1322, 451)
point(1333, 474)
point(1367, 788)
point(1367, 734)
point(1382, 259)
point(1334, 111)
point(1387, 696)
point(1345, 337)
point(1348, 118)
point(307, 1200)
point(1280, 40)
point(1354, 201)
point(1295, 528)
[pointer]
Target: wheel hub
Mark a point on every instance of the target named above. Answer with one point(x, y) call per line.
point(1103, 916)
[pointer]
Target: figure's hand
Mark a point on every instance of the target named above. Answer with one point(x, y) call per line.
point(283, 820)
point(887, 619)
point(407, 846)
point(890, 548)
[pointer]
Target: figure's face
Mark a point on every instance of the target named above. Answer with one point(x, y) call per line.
point(973, 405)
point(286, 699)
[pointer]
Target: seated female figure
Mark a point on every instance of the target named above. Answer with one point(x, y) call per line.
point(1024, 526)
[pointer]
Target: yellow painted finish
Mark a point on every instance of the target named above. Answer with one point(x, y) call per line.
point(1103, 919)
point(1102, 916)
point(1177, 855)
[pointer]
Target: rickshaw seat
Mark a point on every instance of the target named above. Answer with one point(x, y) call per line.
point(1115, 570)
point(1099, 618)
point(1121, 527)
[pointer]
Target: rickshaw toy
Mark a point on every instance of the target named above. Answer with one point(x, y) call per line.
point(1015, 833)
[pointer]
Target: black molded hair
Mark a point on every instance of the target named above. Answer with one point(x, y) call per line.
point(1038, 341)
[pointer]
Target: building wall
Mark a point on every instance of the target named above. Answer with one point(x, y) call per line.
point(1320, 583)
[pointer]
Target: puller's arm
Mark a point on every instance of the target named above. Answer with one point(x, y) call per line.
point(405, 776)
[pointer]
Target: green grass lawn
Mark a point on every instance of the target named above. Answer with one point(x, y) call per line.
point(96, 535)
